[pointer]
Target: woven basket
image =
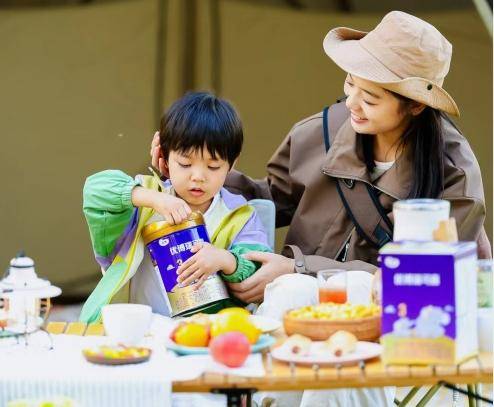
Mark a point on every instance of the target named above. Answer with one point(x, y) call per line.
point(365, 329)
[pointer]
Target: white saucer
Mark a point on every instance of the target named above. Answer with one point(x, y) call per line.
point(265, 324)
point(363, 351)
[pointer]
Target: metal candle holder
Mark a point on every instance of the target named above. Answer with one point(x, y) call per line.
point(24, 300)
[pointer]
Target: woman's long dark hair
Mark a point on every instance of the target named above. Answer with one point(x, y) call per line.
point(424, 144)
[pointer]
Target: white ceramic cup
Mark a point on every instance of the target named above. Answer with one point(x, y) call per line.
point(485, 325)
point(126, 323)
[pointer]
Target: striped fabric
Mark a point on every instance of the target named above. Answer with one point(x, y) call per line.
point(33, 372)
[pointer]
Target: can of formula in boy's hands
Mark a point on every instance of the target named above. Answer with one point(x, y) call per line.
point(169, 246)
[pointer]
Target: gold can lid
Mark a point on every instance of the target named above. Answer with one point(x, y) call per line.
point(156, 230)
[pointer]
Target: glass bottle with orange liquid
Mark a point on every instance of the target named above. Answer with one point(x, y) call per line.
point(332, 285)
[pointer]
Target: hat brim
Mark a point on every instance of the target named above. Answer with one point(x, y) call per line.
point(343, 47)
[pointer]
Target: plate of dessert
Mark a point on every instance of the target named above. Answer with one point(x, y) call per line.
point(116, 355)
point(341, 348)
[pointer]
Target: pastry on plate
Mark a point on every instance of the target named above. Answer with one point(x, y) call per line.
point(340, 343)
point(298, 345)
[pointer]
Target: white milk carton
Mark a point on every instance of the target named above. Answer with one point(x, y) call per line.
point(429, 300)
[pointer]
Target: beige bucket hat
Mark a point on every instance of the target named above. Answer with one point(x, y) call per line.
point(403, 54)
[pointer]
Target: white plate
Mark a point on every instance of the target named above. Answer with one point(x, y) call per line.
point(265, 324)
point(363, 351)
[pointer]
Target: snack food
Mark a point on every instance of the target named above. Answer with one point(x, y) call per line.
point(319, 322)
point(341, 343)
point(298, 345)
point(116, 355)
point(335, 312)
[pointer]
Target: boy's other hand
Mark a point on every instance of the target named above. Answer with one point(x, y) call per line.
point(157, 160)
point(173, 209)
point(207, 260)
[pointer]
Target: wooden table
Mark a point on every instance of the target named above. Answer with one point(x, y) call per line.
point(282, 376)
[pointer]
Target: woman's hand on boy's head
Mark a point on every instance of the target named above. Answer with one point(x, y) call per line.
point(173, 209)
point(157, 160)
point(207, 260)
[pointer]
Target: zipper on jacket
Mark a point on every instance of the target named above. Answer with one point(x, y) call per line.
point(345, 246)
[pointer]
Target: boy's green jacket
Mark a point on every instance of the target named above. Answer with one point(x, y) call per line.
point(115, 227)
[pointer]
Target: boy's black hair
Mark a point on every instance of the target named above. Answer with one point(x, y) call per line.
point(198, 120)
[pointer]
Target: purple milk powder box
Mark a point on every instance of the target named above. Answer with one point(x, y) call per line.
point(429, 296)
point(169, 246)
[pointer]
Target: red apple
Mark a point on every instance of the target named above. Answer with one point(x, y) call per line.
point(230, 349)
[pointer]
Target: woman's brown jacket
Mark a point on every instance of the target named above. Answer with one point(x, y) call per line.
point(302, 180)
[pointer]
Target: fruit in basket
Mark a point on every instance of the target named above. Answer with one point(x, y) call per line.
point(191, 334)
point(230, 349)
point(235, 322)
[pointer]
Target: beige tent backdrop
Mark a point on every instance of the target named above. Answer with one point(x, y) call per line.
point(82, 86)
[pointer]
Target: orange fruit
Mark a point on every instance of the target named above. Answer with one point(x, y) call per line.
point(192, 335)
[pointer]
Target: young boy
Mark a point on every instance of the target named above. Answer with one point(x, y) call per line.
point(201, 138)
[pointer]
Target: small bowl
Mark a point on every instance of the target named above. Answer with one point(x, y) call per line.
point(126, 323)
point(365, 329)
point(97, 356)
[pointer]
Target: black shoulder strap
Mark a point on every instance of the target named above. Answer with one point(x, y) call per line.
point(350, 214)
point(375, 200)
point(325, 133)
point(338, 113)
point(383, 236)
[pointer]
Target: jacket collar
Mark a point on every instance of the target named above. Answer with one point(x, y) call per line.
point(342, 162)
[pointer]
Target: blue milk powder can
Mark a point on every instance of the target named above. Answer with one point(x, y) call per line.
point(169, 246)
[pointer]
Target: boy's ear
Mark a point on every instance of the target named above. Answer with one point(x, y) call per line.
point(163, 167)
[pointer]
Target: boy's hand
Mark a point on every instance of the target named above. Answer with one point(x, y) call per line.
point(207, 260)
point(173, 209)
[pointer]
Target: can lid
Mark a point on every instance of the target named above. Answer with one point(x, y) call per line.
point(156, 230)
point(422, 204)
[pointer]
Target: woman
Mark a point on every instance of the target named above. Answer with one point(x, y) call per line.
point(396, 136)
point(390, 139)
